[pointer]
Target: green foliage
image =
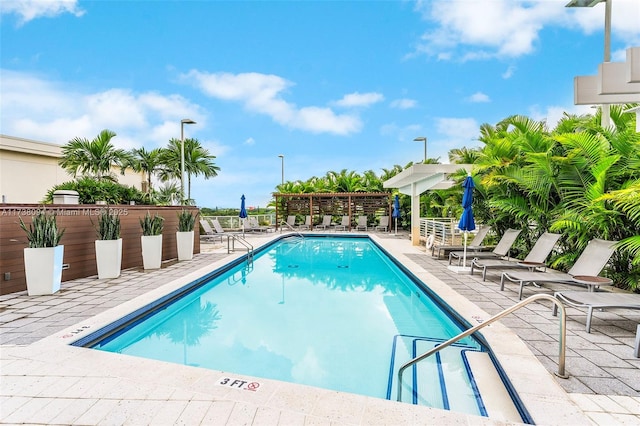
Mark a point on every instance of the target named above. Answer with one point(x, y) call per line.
point(186, 221)
point(108, 225)
point(91, 190)
point(93, 158)
point(43, 230)
point(152, 225)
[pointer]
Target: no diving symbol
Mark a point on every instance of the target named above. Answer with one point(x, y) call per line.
point(253, 386)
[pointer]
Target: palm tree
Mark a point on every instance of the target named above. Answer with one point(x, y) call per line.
point(197, 161)
point(94, 158)
point(147, 162)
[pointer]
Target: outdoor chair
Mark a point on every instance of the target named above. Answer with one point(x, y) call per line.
point(326, 222)
point(291, 221)
point(384, 224)
point(306, 225)
point(535, 259)
point(597, 300)
point(362, 223)
point(251, 224)
point(209, 234)
point(344, 225)
point(220, 230)
point(474, 245)
point(501, 250)
point(583, 273)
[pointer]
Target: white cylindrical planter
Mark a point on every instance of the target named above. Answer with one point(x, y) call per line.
point(43, 269)
point(109, 258)
point(184, 240)
point(151, 251)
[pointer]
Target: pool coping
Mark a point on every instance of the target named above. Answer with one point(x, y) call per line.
point(544, 399)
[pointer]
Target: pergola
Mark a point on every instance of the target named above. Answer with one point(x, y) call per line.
point(335, 204)
point(419, 178)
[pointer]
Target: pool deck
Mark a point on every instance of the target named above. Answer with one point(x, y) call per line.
point(46, 381)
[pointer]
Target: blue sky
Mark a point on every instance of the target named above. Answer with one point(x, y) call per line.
point(330, 85)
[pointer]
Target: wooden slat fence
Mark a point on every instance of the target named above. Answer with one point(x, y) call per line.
point(79, 222)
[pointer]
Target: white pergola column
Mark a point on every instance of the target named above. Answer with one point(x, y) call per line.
point(415, 215)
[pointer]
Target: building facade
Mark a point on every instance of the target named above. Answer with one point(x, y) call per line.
point(28, 169)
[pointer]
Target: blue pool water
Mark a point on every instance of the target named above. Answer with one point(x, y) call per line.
point(331, 312)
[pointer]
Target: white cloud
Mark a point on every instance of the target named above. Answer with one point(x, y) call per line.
point(35, 108)
point(509, 72)
point(261, 93)
point(458, 131)
point(475, 30)
point(403, 103)
point(360, 99)
point(478, 97)
point(553, 114)
point(28, 10)
point(250, 141)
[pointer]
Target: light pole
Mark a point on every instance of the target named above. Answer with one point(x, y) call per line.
point(606, 116)
point(282, 168)
point(182, 123)
point(423, 139)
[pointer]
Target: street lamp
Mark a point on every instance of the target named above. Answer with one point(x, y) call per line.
point(607, 41)
point(282, 167)
point(182, 123)
point(423, 139)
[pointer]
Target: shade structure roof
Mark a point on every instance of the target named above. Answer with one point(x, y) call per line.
point(424, 177)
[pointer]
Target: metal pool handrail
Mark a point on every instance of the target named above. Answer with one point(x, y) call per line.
point(562, 340)
point(231, 246)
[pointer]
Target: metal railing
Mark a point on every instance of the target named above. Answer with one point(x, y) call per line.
point(443, 228)
point(234, 222)
point(231, 245)
point(562, 340)
point(284, 224)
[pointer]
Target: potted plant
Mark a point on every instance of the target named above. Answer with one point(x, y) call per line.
point(108, 245)
point(151, 240)
point(185, 235)
point(43, 256)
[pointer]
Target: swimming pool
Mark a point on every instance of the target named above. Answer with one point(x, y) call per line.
point(330, 312)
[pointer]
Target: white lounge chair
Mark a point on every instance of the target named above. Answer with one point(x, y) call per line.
point(535, 259)
point(251, 224)
point(306, 225)
point(344, 225)
point(209, 234)
point(362, 223)
point(474, 245)
point(291, 221)
point(326, 222)
point(384, 224)
point(501, 250)
point(597, 300)
point(583, 273)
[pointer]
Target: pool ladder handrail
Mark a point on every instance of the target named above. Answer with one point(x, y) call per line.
point(294, 230)
point(231, 245)
point(562, 340)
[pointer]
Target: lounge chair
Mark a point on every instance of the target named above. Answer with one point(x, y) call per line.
point(362, 223)
point(597, 300)
point(220, 230)
point(209, 234)
point(384, 224)
point(501, 250)
point(583, 273)
point(344, 225)
point(291, 221)
point(473, 245)
point(326, 222)
point(251, 224)
point(306, 225)
point(535, 259)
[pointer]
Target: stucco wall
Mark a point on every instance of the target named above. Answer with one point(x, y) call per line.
point(28, 169)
